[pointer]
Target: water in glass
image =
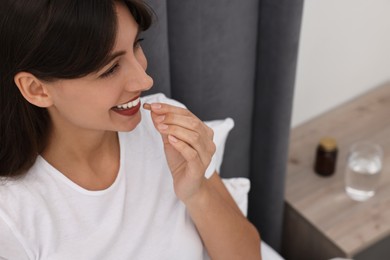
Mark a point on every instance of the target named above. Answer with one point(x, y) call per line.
point(362, 176)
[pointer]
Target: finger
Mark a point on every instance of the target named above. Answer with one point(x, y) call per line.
point(190, 155)
point(189, 122)
point(177, 121)
point(147, 106)
point(163, 108)
point(160, 118)
point(183, 118)
point(188, 129)
point(202, 144)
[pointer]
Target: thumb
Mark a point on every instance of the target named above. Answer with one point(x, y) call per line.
point(156, 119)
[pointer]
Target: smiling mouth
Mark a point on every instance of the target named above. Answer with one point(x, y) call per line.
point(130, 104)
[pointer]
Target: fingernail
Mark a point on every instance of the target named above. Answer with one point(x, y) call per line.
point(159, 119)
point(172, 138)
point(156, 106)
point(147, 106)
point(162, 126)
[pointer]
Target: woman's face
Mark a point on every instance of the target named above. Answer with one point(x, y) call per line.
point(107, 99)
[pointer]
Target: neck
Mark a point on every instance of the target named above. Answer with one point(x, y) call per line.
point(88, 158)
point(81, 146)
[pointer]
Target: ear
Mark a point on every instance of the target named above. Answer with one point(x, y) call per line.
point(33, 89)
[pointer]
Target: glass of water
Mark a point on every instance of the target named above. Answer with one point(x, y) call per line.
point(364, 167)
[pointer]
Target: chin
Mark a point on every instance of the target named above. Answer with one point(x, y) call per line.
point(131, 124)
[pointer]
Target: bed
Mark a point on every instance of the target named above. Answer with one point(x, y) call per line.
point(235, 59)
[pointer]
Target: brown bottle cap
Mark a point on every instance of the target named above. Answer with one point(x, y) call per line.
point(328, 144)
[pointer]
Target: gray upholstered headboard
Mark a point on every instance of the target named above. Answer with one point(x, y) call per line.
point(236, 59)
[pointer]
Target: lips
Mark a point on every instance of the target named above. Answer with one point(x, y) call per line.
point(129, 108)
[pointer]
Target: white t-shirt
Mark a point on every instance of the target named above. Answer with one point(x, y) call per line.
point(44, 215)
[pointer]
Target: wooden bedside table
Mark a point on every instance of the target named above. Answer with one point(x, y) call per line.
point(321, 221)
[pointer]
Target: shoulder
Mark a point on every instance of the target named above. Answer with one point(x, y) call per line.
point(16, 203)
point(11, 191)
point(19, 197)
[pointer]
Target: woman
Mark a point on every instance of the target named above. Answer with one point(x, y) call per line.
point(87, 172)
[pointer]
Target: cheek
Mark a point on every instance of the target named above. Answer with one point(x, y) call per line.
point(86, 100)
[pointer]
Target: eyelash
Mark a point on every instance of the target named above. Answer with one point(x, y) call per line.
point(114, 68)
point(110, 71)
point(138, 42)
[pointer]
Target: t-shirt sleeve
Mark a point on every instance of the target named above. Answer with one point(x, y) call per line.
point(10, 246)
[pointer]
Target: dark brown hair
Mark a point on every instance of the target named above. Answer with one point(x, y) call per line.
point(52, 39)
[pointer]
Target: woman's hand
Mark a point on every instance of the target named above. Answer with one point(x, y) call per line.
point(188, 145)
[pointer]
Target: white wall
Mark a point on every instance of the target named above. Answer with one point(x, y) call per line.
point(344, 51)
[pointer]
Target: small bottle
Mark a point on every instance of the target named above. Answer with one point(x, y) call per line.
point(326, 157)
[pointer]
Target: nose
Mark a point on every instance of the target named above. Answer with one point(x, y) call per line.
point(138, 79)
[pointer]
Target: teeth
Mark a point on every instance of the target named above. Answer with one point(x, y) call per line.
point(135, 102)
point(129, 104)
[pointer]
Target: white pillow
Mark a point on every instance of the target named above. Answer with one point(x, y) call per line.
point(221, 130)
point(237, 187)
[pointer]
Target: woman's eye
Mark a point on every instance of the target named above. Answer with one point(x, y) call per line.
point(111, 71)
point(114, 68)
point(138, 42)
